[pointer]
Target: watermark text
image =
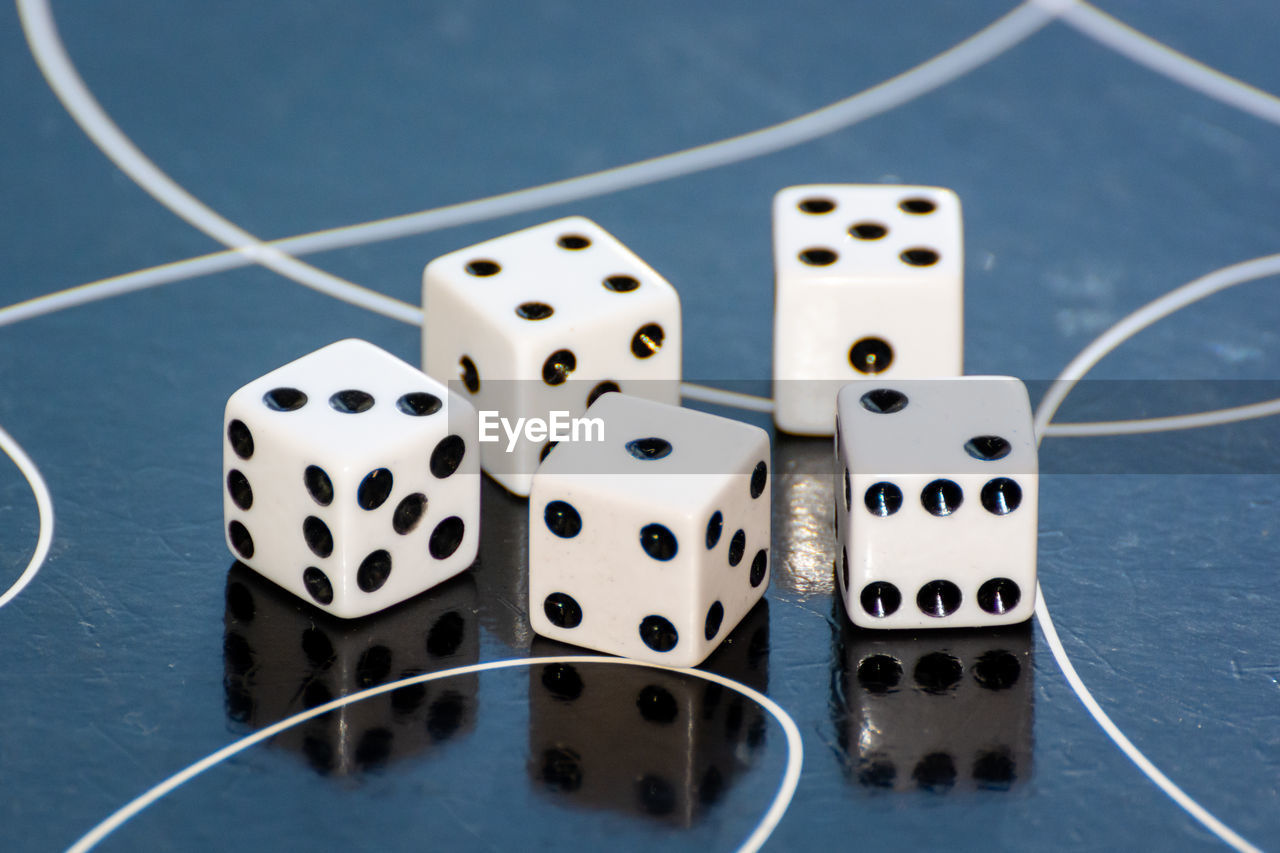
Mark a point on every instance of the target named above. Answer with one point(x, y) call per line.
point(557, 426)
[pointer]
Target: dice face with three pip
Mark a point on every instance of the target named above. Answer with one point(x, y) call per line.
point(654, 542)
point(936, 505)
point(352, 480)
point(869, 282)
point(545, 320)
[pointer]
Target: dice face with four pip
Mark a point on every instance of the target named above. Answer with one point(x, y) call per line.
point(654, 542)
point(351, 479)
point(936, 505)
point(869, 282)
point(545, 320)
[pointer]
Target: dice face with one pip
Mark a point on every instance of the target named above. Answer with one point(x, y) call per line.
point(351, 479)
point(653, 543)
point(936, 507)
point(545, 320)
point(869, 282)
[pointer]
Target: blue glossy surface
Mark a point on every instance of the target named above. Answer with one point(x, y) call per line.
point(1090, 186)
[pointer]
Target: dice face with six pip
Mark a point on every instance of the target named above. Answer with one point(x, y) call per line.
point(545, 320)
point(352, 480)
point(652, 543)
point(869, 282)
point(936, 507)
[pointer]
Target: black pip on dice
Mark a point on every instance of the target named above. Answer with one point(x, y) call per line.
point(352, 479)
point(654, 542)
point(936, 503)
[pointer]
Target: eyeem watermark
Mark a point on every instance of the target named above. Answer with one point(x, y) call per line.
point(558, 426)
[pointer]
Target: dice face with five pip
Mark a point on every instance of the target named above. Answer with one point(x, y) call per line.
point(352, 479)
point(545, 320)
point(869, 282)
point(936, 504)
point(652, 543)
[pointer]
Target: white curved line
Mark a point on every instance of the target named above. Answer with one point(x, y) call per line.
point(753, 842)
point(1145, 316)
point(1162, 59)
point(975, 51)
point(1197, 811)
point(119, 285)
point(721, 397)
point(50, 54)
point(44, 506)
point(982, 47)
point(1216, 417)
point(1129, 326)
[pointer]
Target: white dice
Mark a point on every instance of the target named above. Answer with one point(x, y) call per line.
point(543, 321)
point(653, 542)
point(937, 502)
point(869, 282)
point(352, 480)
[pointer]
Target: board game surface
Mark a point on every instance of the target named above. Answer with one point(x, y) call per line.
point(1090, 187)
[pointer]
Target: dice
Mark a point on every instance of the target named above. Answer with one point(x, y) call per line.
point(653, 542)
point(935, 711)
point(543, 321)
point(352, 480)
point(281, 657)
point(936, 507)
point(869, 282)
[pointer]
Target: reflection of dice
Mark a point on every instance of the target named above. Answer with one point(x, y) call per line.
point(936, 711)
point(870, 281)
point(282, 657)
point(502, 573)
point(646, 742)
point(936, 515)
point(654, 542)
point(352, 479)
point(545, 320)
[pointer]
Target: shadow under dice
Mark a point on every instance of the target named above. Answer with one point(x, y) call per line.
point(645, 742)
point(282, 656)
point(352, 479)
point(935, 711)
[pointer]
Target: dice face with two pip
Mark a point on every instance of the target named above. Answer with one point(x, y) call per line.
point(545, 320)
point(654, 542)
point(869, 282)
point(936, 505)
point(352, 480)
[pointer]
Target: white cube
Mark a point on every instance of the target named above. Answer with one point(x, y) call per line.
point(545, 320)
point(653, 542)
point(352, 479)
point(937, 504)
point(869, 282)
